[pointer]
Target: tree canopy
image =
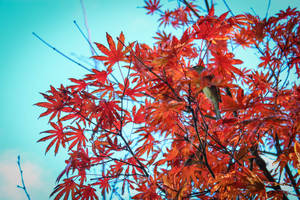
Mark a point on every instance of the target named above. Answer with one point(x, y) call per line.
point(153, 130)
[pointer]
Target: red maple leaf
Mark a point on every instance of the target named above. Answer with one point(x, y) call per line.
point(152, 6)
point(57, 101)
point(103, 183)
point(88, 193)
point(113, 54)
point(131, 92)
point(65, 189)
point(58, 137)
point(78, 137)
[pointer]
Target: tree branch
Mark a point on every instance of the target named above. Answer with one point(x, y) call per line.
point(263, 167)
point(58, 51)
point(286, 167)
point(23, 187)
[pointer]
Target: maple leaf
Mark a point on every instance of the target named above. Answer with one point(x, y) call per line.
point(108, 112)
point(87, 193)
point(242, 38)
point(147, 190)
point(297, 152)
point(189, 173)
point(131, 92)
point(57, 137)
point(138, 116)
point(65, 189)
point(113, 54)
point(104, 184)
point(99, 76)
point(229, 104)
point(81, 84)
point(166, 18)
point(80, 158)
point(148, 141)
point(162, 37)
point(152, 6)
point(212, 28)
point(57, 102)
point(77, 135)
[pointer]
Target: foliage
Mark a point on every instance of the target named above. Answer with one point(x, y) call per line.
point(142, 129)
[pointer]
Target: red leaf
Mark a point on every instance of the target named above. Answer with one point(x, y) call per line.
point(65, 189)
point(152, 6)
point(113, 54)
point(78, 137)
point(58, 137)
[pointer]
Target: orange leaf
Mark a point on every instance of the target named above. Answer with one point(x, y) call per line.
point(297, 152)
point(113, 54)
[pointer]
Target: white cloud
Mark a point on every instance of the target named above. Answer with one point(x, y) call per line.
point(10, 177)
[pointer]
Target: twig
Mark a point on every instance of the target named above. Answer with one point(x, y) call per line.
point(263, 167)
point(286, 78)
point(207, 5)
point(253, 11)
point(64, 55)
point(86, 38)
point(190, 7)
point(286, 167)
point(23, 187)
point(92, 48)
point(134, 156)
point(224, 1)
point(67, 57)
point(115, 176)
point(87, 27)
point(269, 4)
point(151, 71)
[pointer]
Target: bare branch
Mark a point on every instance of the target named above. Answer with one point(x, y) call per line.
point(86, 38)
point(61, 53)
point(23, 187)
point(267, 12)
point(224, 1)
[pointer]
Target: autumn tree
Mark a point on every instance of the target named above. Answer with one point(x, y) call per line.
point(156, 130)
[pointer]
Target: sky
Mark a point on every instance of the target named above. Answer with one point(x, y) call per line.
point(28, 67)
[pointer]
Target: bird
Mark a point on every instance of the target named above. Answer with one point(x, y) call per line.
point(212, 92)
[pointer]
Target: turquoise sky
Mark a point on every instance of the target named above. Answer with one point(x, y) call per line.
point(28, 67)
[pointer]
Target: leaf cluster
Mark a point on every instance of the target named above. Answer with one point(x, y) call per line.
point(141, 129)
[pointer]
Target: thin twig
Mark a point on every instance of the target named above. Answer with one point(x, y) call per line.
point(86, 38)
point(58, 51)
point(67, 57)
point(267, 12)
point(263, 167)
point(115, 176)
point(207, 5)
point(224, 1)
point(190, 7)
point(286, 167)
point(23, 187)
point(150, 70)
point(93, 52)
point(253, 11)
point(92, 49)
point(87, 26)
